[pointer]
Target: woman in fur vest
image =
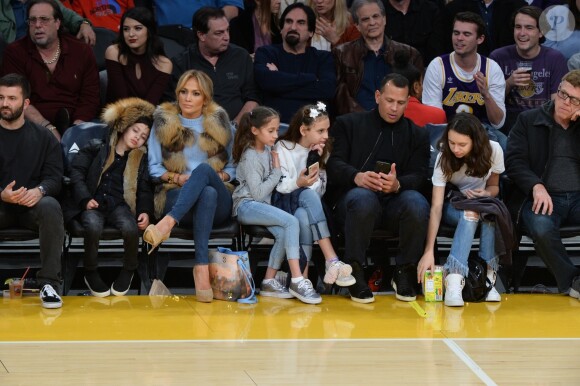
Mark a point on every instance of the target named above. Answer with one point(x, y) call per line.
point(110, 184)
point(190, 158)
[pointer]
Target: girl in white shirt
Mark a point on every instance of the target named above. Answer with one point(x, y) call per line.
point(308, 131)
point(473, 163)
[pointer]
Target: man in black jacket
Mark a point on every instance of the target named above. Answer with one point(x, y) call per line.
point(230, 67)
point(363, 199)
point(30, 178)
point(543, 161)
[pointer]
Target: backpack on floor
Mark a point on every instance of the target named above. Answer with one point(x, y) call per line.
point(477, 285)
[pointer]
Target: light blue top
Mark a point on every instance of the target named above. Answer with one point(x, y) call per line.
point(567, 47)
point(193, 154)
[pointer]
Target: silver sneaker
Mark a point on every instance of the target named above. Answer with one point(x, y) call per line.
point(304, 291)
point(272, 288)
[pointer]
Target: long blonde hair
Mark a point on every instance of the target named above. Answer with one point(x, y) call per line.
point(340, 16)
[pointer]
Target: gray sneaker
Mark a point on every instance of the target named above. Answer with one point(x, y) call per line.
point(272, 288)
point(304, 291)
point(575, 289)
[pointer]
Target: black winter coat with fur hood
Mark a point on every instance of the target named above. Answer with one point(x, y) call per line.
point(90, 163)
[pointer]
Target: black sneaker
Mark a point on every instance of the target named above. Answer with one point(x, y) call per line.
point(360, 291)
point(123, 283)
point(403, 282)
point(96, 285)
point(49, 297)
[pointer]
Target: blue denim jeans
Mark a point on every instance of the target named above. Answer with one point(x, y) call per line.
point(312, 220)
point(463, 240)
point(281, 224)
point(202, 202)
point(361, 211)
point(545, 231)
point(94, 221)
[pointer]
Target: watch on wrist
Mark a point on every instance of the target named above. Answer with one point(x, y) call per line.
point(42, 190)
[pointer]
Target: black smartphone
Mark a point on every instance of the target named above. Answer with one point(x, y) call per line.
point(382, 167)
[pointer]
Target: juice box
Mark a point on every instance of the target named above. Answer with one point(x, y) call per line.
point(433, 285)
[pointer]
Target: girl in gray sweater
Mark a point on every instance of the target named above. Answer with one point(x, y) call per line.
point(259, 172)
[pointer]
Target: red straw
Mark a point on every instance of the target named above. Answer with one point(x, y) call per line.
point(23, 276)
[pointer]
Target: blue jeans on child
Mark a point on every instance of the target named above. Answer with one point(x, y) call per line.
point(203, 201)
point(283, 225)
point(463, 240)
point(545, 231)
point(312, 220)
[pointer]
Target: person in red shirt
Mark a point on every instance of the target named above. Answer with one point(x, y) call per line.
point(62, 70)
point(416, 111)
point(101, 13)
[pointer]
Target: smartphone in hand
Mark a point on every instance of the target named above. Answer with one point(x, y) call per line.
point(382, 167)
point(312, 169)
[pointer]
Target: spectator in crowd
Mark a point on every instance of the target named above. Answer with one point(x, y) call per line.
point(363, 63)
point(230, 67)
point(418, 23)
point(293, 74)
point(136, 63)
point(465, 81)
point(190, 157)
point(62, 70)
point(364, 200)
point(416, 111)
point(472, 163)
point(497, 16)
point(569, 45)
point(532, 72)
point(257, 26)
point(14, 16)
point(307, 136)
point(30, 180)
point(103, 14)
point(179, 11)
point(110, 184)
point(334, 24)
point(259, 171)
point(542, 162)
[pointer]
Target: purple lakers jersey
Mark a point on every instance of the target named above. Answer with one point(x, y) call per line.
point(461, 95)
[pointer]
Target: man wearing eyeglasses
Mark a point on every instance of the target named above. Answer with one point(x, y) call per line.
point(543, 161)
point(61, 69)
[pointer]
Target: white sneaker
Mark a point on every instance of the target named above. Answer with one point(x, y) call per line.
point(454, 284)
point(339, 273)
point(493, 295)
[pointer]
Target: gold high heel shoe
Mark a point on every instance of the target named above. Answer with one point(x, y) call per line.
point(153, 237)
point(201, 279)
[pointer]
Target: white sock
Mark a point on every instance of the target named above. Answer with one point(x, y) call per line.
point(298, 279)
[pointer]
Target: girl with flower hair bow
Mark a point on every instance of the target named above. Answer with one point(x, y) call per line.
point(307, 138)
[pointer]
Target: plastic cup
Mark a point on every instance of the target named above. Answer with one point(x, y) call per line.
point(525, 65)
point(15, 289)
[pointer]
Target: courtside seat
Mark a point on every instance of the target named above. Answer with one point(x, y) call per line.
point(17, 234)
